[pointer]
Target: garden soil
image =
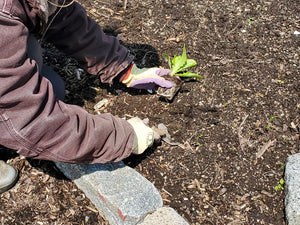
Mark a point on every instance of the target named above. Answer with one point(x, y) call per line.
point(236, 127)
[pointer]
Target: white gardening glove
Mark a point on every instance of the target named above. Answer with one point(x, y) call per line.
point(144, 135)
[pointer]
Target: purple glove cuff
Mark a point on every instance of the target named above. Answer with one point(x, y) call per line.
point(151, 84)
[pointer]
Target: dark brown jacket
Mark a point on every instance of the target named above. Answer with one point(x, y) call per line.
point(32, 120)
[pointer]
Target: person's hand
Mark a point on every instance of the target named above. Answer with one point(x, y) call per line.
point(144, 135)
point(147, 78)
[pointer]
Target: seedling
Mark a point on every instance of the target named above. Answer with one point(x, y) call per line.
point(280, 186)
point(280, 81)
point(179, 64)
point(251, 20)
point(270, 120)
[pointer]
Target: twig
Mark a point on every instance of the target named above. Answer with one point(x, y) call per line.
point(166, 200)
point(240, 131)
point(264, 148)
point(124, 4)
point(189, 147)
point(92, 209)
point(167, 192)
point(229, 32)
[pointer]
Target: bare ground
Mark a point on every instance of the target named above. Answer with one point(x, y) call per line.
point(238, 125)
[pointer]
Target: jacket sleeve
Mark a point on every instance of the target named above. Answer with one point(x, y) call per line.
point(78, 36)
point(36, 124)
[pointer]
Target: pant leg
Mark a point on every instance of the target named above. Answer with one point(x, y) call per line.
point(34, 51)
point(56, 80)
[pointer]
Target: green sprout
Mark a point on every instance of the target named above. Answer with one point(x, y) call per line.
point(280, 186)
point(179, 64)
point(270, 120)
point(227, 6)
point(280, 81)
point(251, 20)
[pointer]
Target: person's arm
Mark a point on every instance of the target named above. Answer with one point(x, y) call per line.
point(36, 124)
point(79, 36)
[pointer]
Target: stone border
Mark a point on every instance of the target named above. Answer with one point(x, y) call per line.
point(292, 189)
point(121, 194)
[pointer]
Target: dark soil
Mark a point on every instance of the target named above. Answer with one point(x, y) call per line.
point(237, 126)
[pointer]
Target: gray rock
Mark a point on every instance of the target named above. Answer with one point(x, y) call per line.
point(120, 193)
point(292, 189)
point(164, 216)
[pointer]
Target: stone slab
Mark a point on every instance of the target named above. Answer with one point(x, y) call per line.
point(164, 216)
point(120, 193)
point(292, 189)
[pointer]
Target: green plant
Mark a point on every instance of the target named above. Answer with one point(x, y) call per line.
point(270, 120)
point(280, 81)
point(251, 20)
point(280, 186)
point(198, 140)
point(227, 6)
point(179, 64)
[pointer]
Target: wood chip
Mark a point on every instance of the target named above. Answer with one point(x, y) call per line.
point(92, 209)
point(265, 148)
point(267, 193)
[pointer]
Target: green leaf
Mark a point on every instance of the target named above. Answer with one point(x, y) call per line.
point(184, 53)
point(189, 63)
point(189, 74)
point(178, 64)
point(181, 63)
